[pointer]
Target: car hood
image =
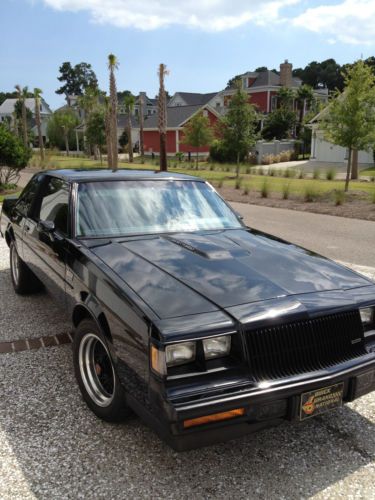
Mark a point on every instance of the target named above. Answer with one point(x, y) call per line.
point(187, 273)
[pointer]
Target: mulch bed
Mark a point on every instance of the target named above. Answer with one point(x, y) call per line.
point(354, 207)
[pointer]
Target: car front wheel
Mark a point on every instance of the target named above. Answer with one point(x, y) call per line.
point(24, 281)
point(96, 374)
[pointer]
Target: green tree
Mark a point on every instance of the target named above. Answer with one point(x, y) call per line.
point(37, 94)
point(129, 102)
point(238, 126)
point(233, 81)
point(62, 125)
point(95, 130)
point(349, 120)
point(198, 132)
point(14, 156)
point(279, 124)
point(112, 66)
point(76, 79)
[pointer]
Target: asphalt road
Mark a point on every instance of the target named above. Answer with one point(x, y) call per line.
point(347, 240)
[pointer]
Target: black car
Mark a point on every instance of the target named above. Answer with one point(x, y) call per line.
point(204, 327)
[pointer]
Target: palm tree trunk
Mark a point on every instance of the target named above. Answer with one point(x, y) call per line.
point(66, 143)
point(24, 123)
point(141, 138)
point(162, 118)
point(348, 170)
point(130, 142)
point(39, 127)
point(355, 164)
point(113, 94)
point(108, 138)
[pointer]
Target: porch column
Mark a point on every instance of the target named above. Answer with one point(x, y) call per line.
point(177, 143)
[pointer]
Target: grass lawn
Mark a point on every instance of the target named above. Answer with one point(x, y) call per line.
point(224, 174)
point(370, 172)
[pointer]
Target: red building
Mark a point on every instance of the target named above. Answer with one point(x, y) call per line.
point(177, 118)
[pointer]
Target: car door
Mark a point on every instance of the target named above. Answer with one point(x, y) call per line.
point(23, 209)
point(45, 233)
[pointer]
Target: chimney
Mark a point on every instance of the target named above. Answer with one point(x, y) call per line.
point(286, 74)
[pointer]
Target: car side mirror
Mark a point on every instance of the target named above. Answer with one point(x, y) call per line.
point(46, 226)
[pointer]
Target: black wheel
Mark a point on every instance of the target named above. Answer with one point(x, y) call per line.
point(24, 281)
point(96, 375)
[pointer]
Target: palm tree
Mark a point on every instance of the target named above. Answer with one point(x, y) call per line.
point(162, 118)
point(112, 66)
point(108, 136)
point(141, 122)
point(305, 96)
point(285, 97)
point(129, 106)
point(22, 95)
point(37, 93)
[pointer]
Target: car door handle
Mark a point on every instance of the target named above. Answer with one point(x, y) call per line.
point(27, 228)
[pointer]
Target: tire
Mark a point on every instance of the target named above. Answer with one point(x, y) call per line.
point(23, 279)
point(96, 374)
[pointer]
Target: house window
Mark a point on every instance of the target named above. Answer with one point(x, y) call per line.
point(149, 111)
point(218, 105)
point(205, 113)
point(273, 102)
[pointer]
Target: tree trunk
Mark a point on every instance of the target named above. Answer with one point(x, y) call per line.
point(163, 152)
point(130, 142)
point(238, 165)
point(113, 94)
point(66, 143)
point(107, 123)
point(355, 164)
point(39, 127)
point(141, 138)
point(348, 170)
point(100, 155)
point(24, 124)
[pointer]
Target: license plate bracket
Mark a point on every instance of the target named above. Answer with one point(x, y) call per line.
point(313, 403)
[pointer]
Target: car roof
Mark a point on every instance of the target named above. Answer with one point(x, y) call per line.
point(102, 174)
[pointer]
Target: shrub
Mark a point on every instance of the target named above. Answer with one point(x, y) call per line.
point(301, 174)
point(310, 194)
point(221, 183)
point(180, 156)
point(267, 159)
point(238, 183)
point(212, 167)
point(248, 170)
point(246, 189)
point(220, 153)
point(260, 171)
point(265, 190)
point(372, 179)
point(272, 172)
point(14, 156)
point(316, 174)
point(331, 174)
point(286, 191)
point(373, 197)
point(252, 157)
point(285, 155)
point(339, 197)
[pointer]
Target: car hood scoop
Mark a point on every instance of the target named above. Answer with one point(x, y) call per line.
point(224, 268)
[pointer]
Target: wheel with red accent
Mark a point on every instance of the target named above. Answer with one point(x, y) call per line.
point(96, 374)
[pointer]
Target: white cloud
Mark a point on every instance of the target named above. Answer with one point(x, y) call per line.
point(351, 21)
point(208, 15)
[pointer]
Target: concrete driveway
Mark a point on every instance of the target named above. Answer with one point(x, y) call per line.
point(53, 447)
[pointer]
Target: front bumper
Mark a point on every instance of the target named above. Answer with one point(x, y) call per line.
point(266, 405)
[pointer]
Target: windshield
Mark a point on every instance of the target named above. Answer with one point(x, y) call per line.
point(116, 208)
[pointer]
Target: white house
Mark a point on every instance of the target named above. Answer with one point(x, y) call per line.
point(7, 113)
point(327, 152)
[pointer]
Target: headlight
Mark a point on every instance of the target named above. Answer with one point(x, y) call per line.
point(179, 354)
point(367, 315)
point(217, 347)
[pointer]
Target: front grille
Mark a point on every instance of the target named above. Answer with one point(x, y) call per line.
point(304, 346)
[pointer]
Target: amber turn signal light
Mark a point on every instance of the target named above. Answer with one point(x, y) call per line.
point(215, 417)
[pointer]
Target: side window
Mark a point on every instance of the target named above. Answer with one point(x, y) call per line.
point(27, 197)
point(54, 204)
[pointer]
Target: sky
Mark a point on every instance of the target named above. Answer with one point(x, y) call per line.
point(202, 42)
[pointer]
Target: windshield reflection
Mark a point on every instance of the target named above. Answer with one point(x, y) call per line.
point(118, 208)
